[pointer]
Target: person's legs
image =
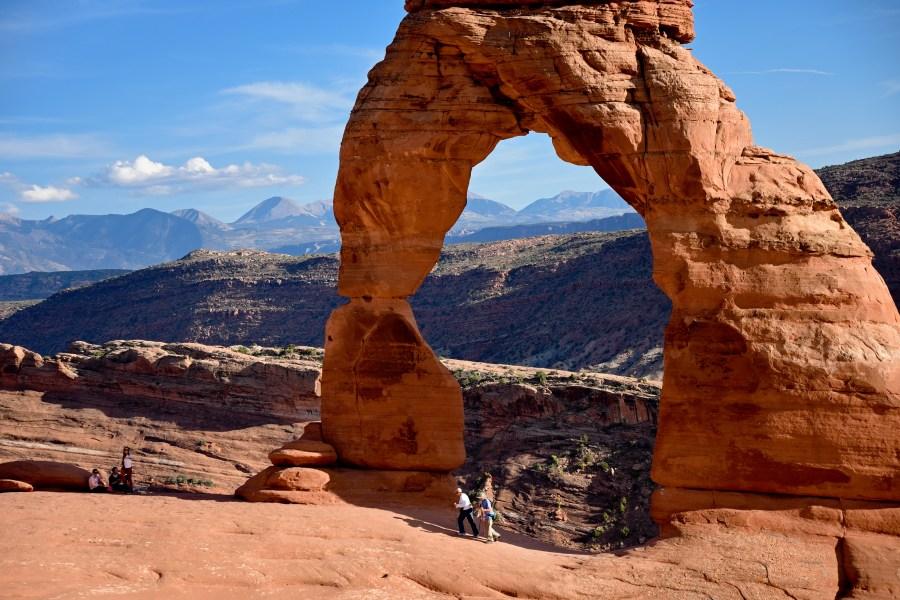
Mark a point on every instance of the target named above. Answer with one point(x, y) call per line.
point(471, 522)
point(459, 521)
point(491, 534)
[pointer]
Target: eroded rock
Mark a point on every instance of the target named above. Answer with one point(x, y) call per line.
point(46, 475)
point(13, 485)
point(782, 356)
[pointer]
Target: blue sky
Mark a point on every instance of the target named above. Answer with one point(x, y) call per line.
point(115, 105)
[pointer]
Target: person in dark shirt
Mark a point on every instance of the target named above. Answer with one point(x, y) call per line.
point(117, 481)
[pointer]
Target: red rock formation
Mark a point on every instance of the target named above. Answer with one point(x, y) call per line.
point(46, 475)
point(782, 357)
point(188, 373)
point(14, 485)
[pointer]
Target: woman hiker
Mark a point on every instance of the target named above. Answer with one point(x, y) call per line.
point(486, 515)
point(127, 465)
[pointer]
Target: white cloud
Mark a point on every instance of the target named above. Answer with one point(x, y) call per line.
point(867, 143)
point(36, 193)
point(156, 178)
point(307, 102)
point(784, 70)
point(137, 172)
point(52, 146)
point(50, 193)
point(9, 208)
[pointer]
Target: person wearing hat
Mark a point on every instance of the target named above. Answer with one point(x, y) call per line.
point(465, 513)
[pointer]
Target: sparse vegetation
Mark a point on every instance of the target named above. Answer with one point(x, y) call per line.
point(182, 479)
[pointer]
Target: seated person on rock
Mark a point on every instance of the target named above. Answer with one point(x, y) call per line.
point(95, 482)
point(117, 481)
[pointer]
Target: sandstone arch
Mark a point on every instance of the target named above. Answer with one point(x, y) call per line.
point(782, 357)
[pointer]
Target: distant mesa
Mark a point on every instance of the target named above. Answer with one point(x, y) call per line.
point(239, 297)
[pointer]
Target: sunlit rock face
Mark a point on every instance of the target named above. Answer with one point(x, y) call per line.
point(782, 357)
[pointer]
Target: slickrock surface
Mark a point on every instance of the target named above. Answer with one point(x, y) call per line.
point(75, 545)
point(782, 356)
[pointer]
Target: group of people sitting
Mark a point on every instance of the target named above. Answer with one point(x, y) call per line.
point(119, 481)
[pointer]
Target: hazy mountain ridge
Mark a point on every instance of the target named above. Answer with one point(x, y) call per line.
point(149, 236)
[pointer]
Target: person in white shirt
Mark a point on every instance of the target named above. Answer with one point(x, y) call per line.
point(465, 513)
point(95, 482)
point(127, 464)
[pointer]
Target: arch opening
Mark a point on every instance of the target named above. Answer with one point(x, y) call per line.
point(583, 299)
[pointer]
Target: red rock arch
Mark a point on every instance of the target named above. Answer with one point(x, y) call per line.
point(782, 357)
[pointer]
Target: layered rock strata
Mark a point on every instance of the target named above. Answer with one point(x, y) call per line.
point(782, 356)
point(196, 417)
point(179, 372)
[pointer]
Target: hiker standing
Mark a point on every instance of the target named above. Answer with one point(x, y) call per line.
point(127, 465)
point(486, 515)
point(465, 513)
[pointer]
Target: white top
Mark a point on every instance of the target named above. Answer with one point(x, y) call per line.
point(94, 481)
point(126, 462)
point(463, 502)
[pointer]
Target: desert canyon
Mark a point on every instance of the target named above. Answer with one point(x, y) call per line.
point(776, 458)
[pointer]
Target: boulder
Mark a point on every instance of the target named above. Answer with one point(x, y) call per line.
point(301, 453)
point(12, 485)
point(44, 475)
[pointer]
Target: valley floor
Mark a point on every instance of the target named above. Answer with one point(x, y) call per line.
point(67, 545)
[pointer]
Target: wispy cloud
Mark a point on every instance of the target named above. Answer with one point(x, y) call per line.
point(9, 208)
point(307, 102)
point(367, 54)
point(289, 116)
point(866, 143)
point(36, 194)
point(891, 87)
point(785, 71)
point(52, 146)
point(28, 120)
point(31, 20)
point(300, 140)
point(151, 177)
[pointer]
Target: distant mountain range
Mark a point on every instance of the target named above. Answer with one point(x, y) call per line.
point(148, 236)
